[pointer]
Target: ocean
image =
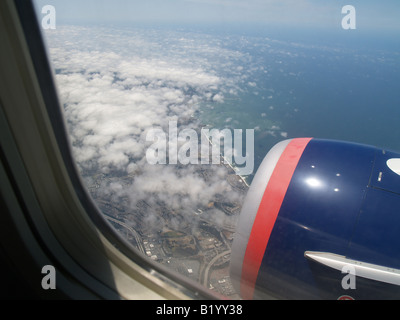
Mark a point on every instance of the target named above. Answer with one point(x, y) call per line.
point(313, 84)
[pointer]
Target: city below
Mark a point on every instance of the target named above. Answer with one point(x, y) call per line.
point(196, 247)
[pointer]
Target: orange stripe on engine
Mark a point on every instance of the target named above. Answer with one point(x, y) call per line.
point(268, 212)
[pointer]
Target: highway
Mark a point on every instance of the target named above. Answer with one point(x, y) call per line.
point(134, 233)
point(210, 264)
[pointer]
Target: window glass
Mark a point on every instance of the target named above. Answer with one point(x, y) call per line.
point(172, 105)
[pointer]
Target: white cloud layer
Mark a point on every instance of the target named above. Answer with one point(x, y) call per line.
point(115, 87)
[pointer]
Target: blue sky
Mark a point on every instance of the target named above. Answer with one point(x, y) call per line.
point(371, 15)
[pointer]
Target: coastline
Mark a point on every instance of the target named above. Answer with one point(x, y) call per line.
point(226, 162)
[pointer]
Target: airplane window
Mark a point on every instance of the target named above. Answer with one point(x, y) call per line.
point(171, 107)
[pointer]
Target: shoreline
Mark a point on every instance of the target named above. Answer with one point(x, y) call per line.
point(226, 162)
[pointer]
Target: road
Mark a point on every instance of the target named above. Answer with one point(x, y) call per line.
point(135, 234)
point(213, 260)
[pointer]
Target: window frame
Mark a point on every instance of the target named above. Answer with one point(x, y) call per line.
point(49, 208)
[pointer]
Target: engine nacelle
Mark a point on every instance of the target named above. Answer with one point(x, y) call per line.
point(321, 221)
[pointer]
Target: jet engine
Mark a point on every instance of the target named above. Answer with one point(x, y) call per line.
point(321, 220)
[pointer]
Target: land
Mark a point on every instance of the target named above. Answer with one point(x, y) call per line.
point(199, 249)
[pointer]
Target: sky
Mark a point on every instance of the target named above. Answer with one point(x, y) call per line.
point(371, 15)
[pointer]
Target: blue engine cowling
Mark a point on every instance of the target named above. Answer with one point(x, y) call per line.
point(321, 221)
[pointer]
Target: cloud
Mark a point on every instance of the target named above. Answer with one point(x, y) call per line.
point(113, 93)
